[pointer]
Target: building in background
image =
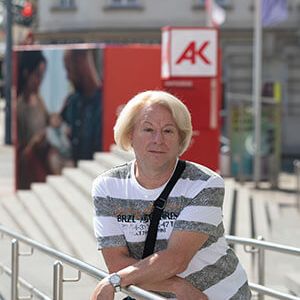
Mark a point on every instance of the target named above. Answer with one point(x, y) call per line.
point(131, 21)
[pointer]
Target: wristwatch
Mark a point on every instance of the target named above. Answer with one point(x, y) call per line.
point(115, 280)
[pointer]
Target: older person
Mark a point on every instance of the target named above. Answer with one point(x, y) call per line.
point(192, 259)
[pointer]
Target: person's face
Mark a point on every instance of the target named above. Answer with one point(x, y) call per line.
point(155, 138)
point(35, 78)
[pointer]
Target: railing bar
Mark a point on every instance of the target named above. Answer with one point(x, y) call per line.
point(133, 290)
point(78, 264)
point(26, 284)
point(271, 292)
point(263, 244)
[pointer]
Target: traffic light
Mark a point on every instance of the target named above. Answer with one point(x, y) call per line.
point(27, 10)
point(23, 13)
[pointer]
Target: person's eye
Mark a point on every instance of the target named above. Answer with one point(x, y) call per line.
point(168, 130)
point(147, 129)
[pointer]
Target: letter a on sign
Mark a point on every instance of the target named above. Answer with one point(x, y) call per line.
point(189, 52)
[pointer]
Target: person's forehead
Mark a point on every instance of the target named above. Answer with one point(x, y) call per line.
point(150, 112)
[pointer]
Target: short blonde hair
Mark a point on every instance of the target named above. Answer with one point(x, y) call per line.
point(126, 120)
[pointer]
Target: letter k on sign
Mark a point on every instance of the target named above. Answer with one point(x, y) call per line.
point(190, 53)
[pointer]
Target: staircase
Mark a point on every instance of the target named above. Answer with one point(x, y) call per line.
point(58, 213)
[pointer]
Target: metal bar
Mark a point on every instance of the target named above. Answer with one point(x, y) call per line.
point(58, 273)
point(261, 268)
point(257, 53)
point(133, 291)
point(26, 285)
point(263, 244)
point(271, 292)
point(15, 269)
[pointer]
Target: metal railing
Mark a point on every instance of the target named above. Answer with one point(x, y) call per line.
point(255, 246)
point(259, 247)
point(58, 278)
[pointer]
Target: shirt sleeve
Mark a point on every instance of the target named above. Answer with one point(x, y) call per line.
point(106, 228)
point(204, 212)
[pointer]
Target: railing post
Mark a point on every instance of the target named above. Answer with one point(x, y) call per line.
point(14, 269)
point(261, 267)
point(297, 174)
point(58, 281)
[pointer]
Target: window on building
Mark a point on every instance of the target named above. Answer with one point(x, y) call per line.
point(223, 3)
point(65, 3)
point(124, 3)
point(68, 5)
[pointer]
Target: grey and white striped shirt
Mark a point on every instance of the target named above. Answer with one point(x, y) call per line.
point(122, 210)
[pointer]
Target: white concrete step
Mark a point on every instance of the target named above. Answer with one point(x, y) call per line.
point(40, 216)
point(7, 219)
point(80, 205)
point(82, 244)
point(127, 155)
point(15, 208)
point(91, 168)
point(227, 205)
point(292, 282)
point(243, 228)
point(80, 179)
point(109, 160)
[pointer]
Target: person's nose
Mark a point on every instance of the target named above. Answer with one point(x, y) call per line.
point(158, 137)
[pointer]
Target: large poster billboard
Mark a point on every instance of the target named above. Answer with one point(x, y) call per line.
point(58, 109)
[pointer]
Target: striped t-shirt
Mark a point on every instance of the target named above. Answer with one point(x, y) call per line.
point(122, 210)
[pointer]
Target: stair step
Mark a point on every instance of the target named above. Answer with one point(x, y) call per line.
point(127, 155)
point(17, 211)
point(75, 200)
point(243, 227)
point(83, 245)
point(227, 205)
point(91, 168)
point(292, 281)
point(80, 179)
point(39, 215)
point(7, 219)
point(108, 159)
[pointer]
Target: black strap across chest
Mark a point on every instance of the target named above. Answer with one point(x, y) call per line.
point(158, 208)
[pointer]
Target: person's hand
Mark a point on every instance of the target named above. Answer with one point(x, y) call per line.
point(103, 291)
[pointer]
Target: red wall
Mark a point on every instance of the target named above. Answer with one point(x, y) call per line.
point(128, 70)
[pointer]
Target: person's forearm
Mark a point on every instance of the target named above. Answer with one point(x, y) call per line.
point(156, 268)
point(170, 285)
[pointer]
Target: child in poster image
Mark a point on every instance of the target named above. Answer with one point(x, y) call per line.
point(58, 136)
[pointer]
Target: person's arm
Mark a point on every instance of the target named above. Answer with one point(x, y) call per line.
point(158, 271)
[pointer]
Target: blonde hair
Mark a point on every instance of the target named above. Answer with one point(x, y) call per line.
point(126, 120)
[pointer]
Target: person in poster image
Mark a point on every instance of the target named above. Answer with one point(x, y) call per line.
point(83, 108)
point(192, 259)
point(32, 118)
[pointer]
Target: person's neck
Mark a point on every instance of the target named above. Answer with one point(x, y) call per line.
point(154, 178)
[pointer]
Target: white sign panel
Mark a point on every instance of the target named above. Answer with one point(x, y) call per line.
point(189, 52)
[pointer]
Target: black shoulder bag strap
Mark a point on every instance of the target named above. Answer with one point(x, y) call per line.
point(159, 206)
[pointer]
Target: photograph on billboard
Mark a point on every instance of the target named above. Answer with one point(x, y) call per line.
point(58, 113)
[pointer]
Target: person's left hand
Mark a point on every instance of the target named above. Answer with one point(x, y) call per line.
point(103, 291)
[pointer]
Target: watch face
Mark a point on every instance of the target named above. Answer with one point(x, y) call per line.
point(115, 279)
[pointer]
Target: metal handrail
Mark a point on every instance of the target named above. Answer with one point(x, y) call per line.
point(138, 292)
point(262, 245)
point(86, 268)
